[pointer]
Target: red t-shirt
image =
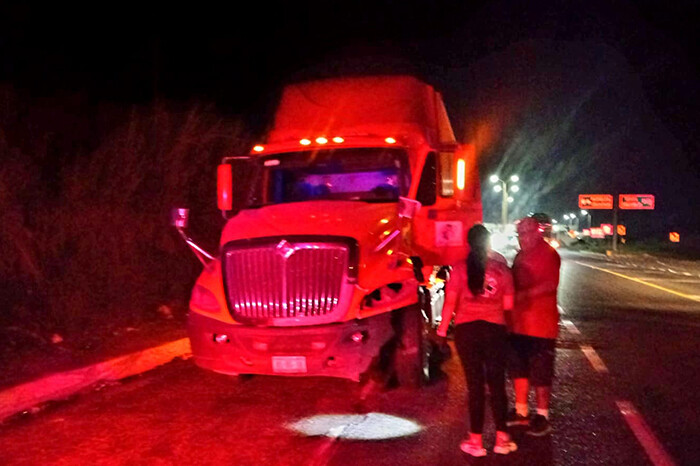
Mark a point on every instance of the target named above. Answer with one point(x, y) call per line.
point(535, 311)
point(488, 305)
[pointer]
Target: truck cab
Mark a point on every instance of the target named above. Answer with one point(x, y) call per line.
point(358, 191)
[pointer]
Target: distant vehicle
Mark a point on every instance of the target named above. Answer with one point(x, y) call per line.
point(545, 222)
point(358, 182)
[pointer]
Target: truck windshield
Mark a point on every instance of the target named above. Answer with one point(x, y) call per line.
point(353, 174)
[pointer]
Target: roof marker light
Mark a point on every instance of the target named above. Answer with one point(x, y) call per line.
point(321, 140)
point(390, 140)
point(338, 140)
point(258, 148)
point(304, 142)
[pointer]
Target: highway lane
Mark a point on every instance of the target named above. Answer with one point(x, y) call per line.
point(644, 323)
point(645, 338)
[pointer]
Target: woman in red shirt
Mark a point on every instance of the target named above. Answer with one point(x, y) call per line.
point(477, 296)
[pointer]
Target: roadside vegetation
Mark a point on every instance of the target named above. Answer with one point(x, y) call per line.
point(85, 243)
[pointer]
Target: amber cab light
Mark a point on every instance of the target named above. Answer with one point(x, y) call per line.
point(321, 140)
point(258, 148)
point(390, 140)
point(304, 142)
point(338, 140)
point(461, 169)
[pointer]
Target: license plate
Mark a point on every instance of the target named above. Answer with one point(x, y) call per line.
point(289, 364)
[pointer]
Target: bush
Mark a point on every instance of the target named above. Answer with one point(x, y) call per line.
point(99, 249)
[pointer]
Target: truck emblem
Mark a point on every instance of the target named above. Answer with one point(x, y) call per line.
point(284, 249)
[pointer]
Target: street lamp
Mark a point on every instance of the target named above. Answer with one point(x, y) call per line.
point(505, 190)
point(586, 214)
point(573, 217)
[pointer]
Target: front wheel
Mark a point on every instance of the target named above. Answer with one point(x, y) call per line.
point(413, 349)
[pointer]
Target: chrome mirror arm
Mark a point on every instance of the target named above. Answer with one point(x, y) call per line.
point(203, 256)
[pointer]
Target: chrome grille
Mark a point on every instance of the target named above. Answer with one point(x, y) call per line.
point(282, 279)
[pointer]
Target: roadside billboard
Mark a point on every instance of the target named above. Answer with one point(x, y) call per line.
point(636, 201)
point(595, 201)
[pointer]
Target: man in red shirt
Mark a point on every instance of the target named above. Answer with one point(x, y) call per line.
point(534, 326)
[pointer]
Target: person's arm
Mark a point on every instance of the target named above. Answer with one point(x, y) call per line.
point(508, 300)
point(508, 295)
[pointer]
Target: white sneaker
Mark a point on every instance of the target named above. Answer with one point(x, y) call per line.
point(471, 447)
point(504, 444)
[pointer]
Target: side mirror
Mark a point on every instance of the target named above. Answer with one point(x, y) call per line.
point(408, 208)
point(179, 217)
point(224, 187)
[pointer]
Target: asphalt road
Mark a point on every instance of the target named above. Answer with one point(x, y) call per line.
point(626, 392)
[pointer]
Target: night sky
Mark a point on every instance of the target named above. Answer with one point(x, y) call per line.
point(573, 96)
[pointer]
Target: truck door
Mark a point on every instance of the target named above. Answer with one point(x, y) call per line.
point(450, 197)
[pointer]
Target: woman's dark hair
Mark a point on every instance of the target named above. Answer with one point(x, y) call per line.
point(478, 239)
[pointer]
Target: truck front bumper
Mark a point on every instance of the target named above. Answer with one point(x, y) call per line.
point(344, 349)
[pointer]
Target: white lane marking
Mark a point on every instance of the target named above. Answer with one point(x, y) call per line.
point(634, 279)
point(594, 359)
point(570, 326)
point(656, 452)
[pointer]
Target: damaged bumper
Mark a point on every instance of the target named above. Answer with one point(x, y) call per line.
point(344, 349)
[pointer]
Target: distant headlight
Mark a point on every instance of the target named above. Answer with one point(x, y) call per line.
point(554, 243)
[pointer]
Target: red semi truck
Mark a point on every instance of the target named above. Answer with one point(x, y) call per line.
point(359, 181)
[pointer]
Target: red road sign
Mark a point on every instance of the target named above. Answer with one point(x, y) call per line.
point(595, 201)
point(674, 237)
point(636, 201)
point(621, 230)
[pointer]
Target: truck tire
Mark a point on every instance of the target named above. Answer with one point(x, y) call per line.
point(412, 359)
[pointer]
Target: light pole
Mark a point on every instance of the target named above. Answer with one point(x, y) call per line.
point(502, 187)
point(585, 213)
point(573, 217)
